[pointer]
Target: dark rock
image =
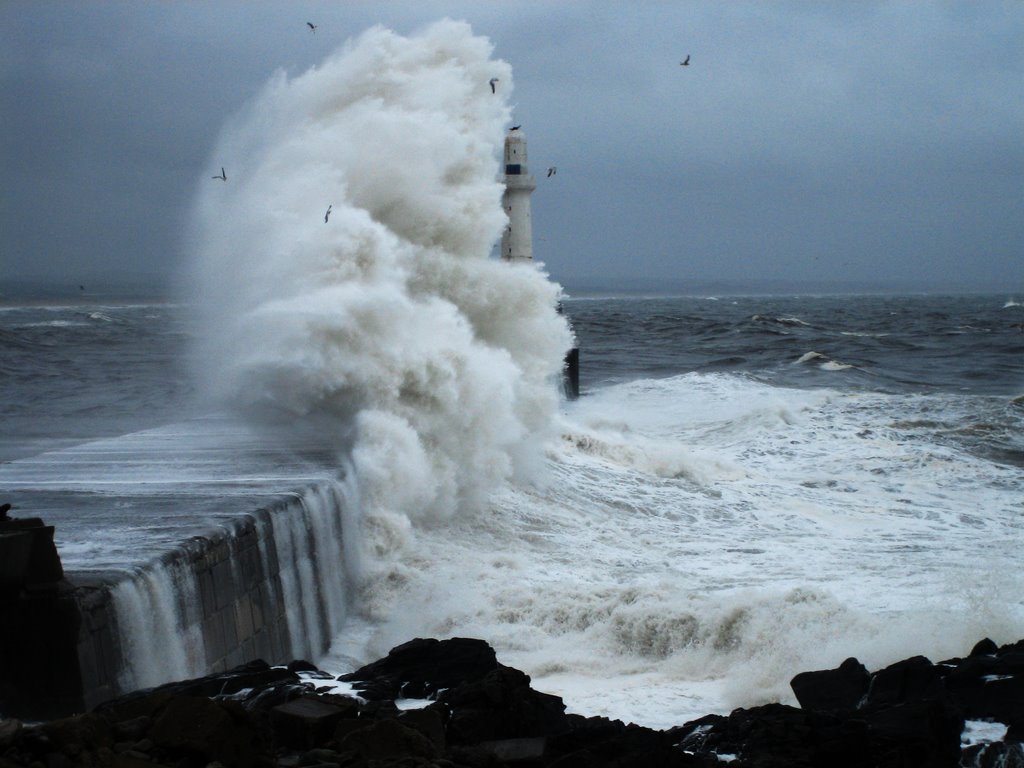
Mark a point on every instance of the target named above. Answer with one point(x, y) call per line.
point(695, 735)
point(301, 665)
point(15, 551)
point(385, 739)
point(832, 690)
point(135, 705)
point(127, 760)
point(920, 732)
point(1017, 647)
point(9, 731)
point(1015, 731)
point(984, 648)
point(133, 754)
point(990, 685)
point(133, 729)
point(430, 721)
point(320, 756)
point(779, 735)
point(907, 680)
point(29, 557)
point(349, 726)
point(256, 675)
point(502, 705)
point(379, 709)
point(40, 673)
point(263, 699)
point(983, 689)
point(309, 720)
point(86, 733)
point(1010, 663)
point(422, 667)
point(516, 750)
point(194, 726)
point(601, 743)
point(1003, 755)
point(1001, 699)
point(911, 715)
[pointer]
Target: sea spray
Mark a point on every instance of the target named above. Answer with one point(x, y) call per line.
point(384, 324)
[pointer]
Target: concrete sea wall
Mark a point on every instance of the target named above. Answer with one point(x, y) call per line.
point(270, 584)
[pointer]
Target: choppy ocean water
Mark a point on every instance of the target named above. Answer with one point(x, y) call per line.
point(748, 487)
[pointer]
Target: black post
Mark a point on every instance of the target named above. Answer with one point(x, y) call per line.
point(571, 371)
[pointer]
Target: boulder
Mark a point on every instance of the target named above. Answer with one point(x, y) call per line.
point(200, 728)
point(430, 721)
point(598, 742)
point(501, 705)
point(907, 680)
point(422, 667)
point(1002, 755)
point(310, 719)
point(386, 739)
point(925, 732)
point(779, 735)
point(984, 647)
point(832, 690)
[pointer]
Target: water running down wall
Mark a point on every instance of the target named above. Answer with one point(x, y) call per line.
point(271, 586)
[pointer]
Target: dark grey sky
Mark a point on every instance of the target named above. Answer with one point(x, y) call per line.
point(844, 145)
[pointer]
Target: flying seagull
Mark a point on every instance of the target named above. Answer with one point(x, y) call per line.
point(312, 26)
point(492, 81)
point(515, 127)
point(223, 176)
point(685, 63)
point(552, 171)
point(327, 215)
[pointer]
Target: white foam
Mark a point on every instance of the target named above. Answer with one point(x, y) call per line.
point(804, 529)
point(982, 732)
point(387, 328)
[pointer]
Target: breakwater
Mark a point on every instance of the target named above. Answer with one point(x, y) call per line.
point(164, 579)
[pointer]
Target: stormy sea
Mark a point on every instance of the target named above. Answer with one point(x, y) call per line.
point(748, 486)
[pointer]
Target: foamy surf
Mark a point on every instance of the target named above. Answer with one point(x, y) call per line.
point(804, 529)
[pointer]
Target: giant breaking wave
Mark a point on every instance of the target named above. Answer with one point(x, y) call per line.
point(387, 328)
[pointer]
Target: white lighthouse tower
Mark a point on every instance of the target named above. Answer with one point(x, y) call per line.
point(517, 242)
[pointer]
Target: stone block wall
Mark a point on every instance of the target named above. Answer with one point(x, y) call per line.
point(238, 609)
point(239, 590)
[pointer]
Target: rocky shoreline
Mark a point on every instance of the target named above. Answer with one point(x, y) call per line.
point(451, 704)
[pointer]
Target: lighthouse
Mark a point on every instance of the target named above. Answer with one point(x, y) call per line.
point(517, 241)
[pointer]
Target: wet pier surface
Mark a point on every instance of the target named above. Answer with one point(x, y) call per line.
point(120, 502)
